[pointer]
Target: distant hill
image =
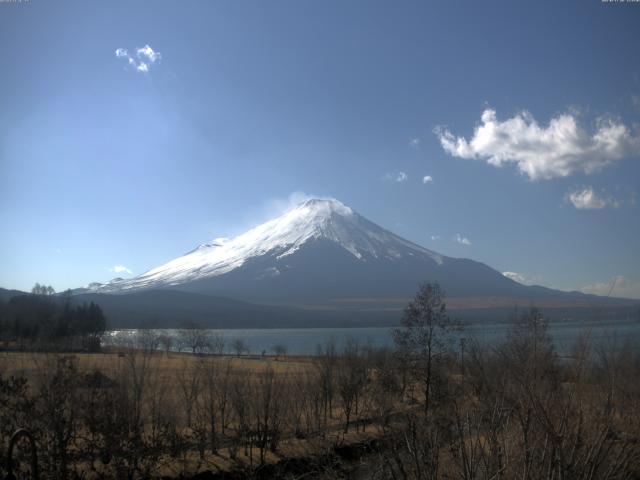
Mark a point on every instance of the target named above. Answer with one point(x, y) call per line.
point(6, 295)
point(172, 309)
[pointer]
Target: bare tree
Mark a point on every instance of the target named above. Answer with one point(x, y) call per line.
point(222, 392)
point(279, 350)
point(148, 340)
point(58, 413)
point(208, 405)
point(194, 337)
point(44, 290)
point(422, 339)
point(351, 380)
point(325, 361)
point(240, 396)
point(190, 386)
point(216, 344)
point(239, 347)
point(268, 411)
point(165, 342)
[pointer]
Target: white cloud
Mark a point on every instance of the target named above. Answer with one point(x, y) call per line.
point(560, 149)
point(515, 276)
point(277, 206)
point(619, 286)
point(221, 240)
point(396, 177)
point(427, 179)
point(461, 240)
point(415, 142)
point(143, 59)
point(120, 269)
point(587, 199)
point(435, 237)
point(148, 53)
point(522, 278)
point(274, 207)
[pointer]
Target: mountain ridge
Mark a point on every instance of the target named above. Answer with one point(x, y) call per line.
point(322, 252)
point(174, 309)
point(283, 236)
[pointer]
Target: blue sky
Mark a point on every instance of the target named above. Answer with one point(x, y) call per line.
point(212, 114)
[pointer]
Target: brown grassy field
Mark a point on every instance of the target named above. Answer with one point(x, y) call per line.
point(30, 364)
point(515, 410)
point(170, 382)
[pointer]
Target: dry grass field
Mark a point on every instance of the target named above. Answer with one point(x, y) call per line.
point(516, 410)
point(176, 386)
point(172, 365)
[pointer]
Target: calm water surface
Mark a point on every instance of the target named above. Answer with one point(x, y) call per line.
point(304, 341)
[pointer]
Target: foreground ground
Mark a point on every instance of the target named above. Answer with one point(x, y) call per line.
point(515, 410)
point(178, 381)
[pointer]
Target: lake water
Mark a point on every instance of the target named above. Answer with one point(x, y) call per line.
point(305, 341)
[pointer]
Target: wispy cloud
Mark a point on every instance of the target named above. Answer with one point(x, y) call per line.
point(274, 207)
point(587, 199)
point(522, 278)
point(120, 269)
point(148, 53)
point(277, 206)
point(560, 149)
point(396, 177)
point(142, 59)
point(427, 179)
point(435, 237)
point(515, 276)
point(415, 142)
point(458, 238)
point(618, 286)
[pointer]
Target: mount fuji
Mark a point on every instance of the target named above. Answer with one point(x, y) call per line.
point(320, 264)
point(322, 256)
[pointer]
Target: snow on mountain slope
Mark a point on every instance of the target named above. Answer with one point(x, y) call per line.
point(313, 219)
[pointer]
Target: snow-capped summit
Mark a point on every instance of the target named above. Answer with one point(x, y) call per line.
point(313, 220)
point(320, 257)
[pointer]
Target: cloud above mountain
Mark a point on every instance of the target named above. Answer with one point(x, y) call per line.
point(515, 276)
point(522, 278)
point(458, 238)
point(120, 269)
point(560, 149)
